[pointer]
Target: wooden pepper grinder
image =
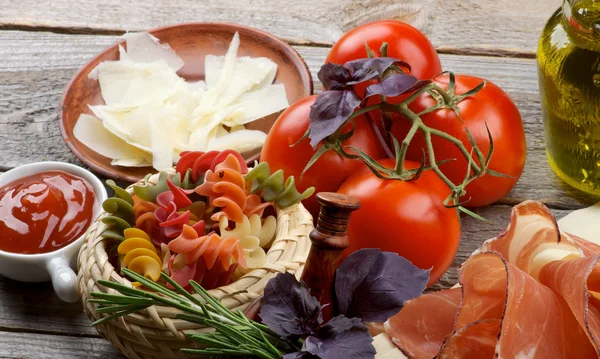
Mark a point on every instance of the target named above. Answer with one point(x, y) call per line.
point(329, 240)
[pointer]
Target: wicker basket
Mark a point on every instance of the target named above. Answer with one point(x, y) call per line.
point(155, 332)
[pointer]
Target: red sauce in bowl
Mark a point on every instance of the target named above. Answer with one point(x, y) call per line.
point(44, 212)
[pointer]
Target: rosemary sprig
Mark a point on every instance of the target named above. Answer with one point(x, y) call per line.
point(234, 335)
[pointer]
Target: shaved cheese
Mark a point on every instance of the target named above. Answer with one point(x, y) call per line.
point(196, 86)
point(129, 83)
point(143, 47)
point(213, 93)
point(153, 114)
point(163, 144)
point(266, 68)
point(123, 54)
point(132, 162)
point(201, 135)
point(248, 74)
point(241, 141)
point(90, 131)
point(220, 131)
point(383, 344)
point(112, 120)
point(584, 223)
point(258, 104)
point(385, 349)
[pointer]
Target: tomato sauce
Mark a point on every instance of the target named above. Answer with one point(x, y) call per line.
point(44, 212)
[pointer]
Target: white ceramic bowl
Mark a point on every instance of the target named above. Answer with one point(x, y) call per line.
point(58, 265)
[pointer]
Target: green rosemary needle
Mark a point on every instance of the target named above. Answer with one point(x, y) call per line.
point(234, 335)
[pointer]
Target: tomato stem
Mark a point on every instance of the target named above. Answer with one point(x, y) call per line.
point(379, 134)
point(445, 99)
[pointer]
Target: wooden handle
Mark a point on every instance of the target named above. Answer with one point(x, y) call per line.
point(329, 240)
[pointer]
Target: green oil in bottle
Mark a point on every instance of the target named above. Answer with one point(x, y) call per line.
point(569, 78)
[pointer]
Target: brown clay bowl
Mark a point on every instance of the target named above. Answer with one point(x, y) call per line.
point(191, 41)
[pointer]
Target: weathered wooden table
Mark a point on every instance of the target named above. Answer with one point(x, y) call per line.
point(44, 42)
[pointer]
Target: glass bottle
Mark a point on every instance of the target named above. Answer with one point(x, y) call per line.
point(569, 79)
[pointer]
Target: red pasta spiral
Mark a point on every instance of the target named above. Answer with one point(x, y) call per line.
point(255, 205)
point(141, 207)
point(211, 248)
point(225, 188)
point(200, 162)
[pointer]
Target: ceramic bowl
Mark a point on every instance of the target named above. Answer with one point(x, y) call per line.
point(192, 42)
point(58, 265)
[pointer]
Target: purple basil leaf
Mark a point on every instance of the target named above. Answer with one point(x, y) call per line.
point(392, 85)
point(300, 355)
point(288, 308)
point(341, 338)
point(366, 69)
point(373, 285)
point(330, 110)
point(333, 76)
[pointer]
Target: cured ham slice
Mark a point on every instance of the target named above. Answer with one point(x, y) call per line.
point(504, 313)
point(587, 248)
point(533, 318)
point(577, 281)
point(532, 292)
point(421, 326)
point(531, 233)
point(476, 340)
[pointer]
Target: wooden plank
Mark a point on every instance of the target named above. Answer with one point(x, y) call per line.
point(34, 75)
point(35, 307)
point(36, 346)
point(504, 28)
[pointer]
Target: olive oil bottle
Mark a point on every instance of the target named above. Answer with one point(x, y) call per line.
point(569, 78)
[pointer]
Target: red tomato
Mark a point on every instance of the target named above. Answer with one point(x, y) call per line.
point(330, 171)
point(404, 43)
point(404, 217)
point(492, 106)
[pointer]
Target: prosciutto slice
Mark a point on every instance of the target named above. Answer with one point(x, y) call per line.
point(532, 292)
point(532, 232)
point(578, 281)
point(419, 335)
point(475, 340)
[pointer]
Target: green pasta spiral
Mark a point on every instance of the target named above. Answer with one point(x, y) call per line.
point(275, 187)
point(120, 208)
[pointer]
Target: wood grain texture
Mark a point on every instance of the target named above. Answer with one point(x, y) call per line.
point(16, 345)
point(35, 307)
point(506, 28)
point(34, 75)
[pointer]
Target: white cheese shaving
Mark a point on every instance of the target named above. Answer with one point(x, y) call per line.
point(151, 114)
point(258, 104)
point(132, 162)
point(143, 48)
point(131, 83)
point(90, 131)
point(248, 74)
point(584, 223)
point(385, 349)
point(208, 101)
point(242, 141)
